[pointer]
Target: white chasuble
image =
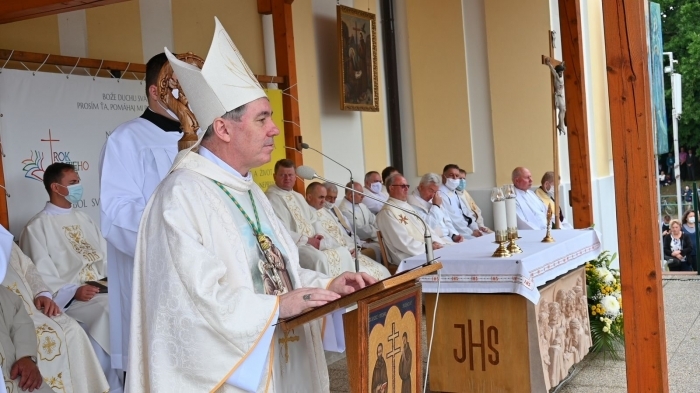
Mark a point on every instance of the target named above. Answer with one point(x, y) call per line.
point(330, 228)
point(200, 311)
point(532, 213)
point(299, 220)
point(403, 233)
point(65, 356)
point(68, 250)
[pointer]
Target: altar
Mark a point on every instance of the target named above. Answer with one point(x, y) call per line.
point(513, 324)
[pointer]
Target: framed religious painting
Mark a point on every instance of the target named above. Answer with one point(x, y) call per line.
point(357, 55)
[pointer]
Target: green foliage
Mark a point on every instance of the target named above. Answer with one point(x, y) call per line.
point(604, 293)
point(681, 35)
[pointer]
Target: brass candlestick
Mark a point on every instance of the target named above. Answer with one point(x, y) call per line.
point(548, 237)
point(512, 246)
point(502, 250)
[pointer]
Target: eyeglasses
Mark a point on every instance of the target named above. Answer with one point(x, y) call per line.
point(404, 186)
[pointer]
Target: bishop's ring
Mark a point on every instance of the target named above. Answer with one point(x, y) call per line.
point(306, 297)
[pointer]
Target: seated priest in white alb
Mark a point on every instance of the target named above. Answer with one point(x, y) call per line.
point(365, 220)
point(315, 251)
point(69, 251)
point(403, 233)
point(546, 194)
point(462, 216)
point(426, 201)
point(531, 212)
point(336, 235)
point(369, 248)
point(466, 198)
point(373, 186)
point(66, 358)
point(18, 338)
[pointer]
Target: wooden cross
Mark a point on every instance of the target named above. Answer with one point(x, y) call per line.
point(285, 341)
point(392, 338)
point(51, 141)
point(357, 30)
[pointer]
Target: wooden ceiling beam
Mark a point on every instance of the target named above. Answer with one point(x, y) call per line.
point(13, 11)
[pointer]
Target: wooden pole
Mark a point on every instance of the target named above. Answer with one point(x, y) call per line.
point(576, 119)
point(285, 59)
point(634, 170)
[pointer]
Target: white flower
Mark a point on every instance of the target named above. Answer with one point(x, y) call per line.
point(606, 329)
point(610, 305)
point(605, 275)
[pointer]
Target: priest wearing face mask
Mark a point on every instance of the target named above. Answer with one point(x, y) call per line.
point(69, 251)
point(462, 216)
point(373, 186)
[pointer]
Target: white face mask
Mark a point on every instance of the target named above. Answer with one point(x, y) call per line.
point(328, 205)
point(691, 220)
point(376, 187)
point(551, 191)
point(452, 184)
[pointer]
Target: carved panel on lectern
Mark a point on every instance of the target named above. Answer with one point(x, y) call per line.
point(563, 327)
point(393, 331)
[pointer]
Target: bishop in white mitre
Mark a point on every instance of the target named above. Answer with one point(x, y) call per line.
point(135, 158)
point(365, 220)
point(426, 202)
point(332, 231)
point(65, 356)
point(18, 338)
point(403, 233)
point(316, 251)
point(69, 251)
point(531, 212)
point(215, 270)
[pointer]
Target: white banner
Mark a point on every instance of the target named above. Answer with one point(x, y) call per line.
point(47, 118)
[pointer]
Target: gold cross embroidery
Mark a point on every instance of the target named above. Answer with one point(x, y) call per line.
point(285, 341)
point(403, 219)
point(49, 345)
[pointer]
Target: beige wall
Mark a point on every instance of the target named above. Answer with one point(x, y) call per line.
point(439, 84)
point(114, 32)
point(521, 102)
point(33, 35)
point(599, 94)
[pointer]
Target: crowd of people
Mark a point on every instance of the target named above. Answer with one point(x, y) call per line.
point(182, 284)
point(688, 163)
point(679, 243)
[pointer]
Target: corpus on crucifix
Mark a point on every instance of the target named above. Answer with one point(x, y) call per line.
point(559, 102)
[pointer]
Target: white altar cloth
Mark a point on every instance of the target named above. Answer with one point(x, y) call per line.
point(468, 267)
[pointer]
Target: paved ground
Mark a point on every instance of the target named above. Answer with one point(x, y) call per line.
point(601, 374)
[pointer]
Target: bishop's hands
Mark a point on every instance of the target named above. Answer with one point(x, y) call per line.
point(27, 370)
point(47, 306)
point(350, 282)
point(86, 293)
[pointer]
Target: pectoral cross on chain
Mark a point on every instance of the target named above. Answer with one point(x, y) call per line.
point(285, 341)
point(393, 337)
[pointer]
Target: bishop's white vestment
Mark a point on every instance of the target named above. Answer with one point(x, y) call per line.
point(200, 310)
point(298, 219)
point(531, 212)
point(65, 356)
point(68, 249)
point(461, 215)
point(365, 220)
point(329, 227)
point(433, 215)
point(403, 233)
point(137, 155)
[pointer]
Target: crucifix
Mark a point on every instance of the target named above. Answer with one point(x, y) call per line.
point(392, 338)
point(285, 341)
point(556, 68)
point(51, 141)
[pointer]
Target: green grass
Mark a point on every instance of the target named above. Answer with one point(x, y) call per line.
point(668, 195)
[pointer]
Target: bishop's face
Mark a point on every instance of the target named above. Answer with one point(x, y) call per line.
point(252, 138)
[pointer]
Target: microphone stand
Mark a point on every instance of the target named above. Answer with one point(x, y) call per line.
point(354, 225)
point(428, 238)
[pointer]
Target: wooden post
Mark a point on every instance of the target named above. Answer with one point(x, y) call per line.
point(285, 59)
point(576, 120)
point(635, 184)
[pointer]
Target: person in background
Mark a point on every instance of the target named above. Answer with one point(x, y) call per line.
point(677, 248)
point(689, 229)
point(690, 165)
point(665, 225)
point(683, 158)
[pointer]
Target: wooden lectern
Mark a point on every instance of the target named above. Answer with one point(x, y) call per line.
point(383, 334)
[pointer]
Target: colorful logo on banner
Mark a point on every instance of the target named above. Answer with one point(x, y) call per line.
point(34, 166)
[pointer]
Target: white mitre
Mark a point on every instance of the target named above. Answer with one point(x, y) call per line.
point(223, 84)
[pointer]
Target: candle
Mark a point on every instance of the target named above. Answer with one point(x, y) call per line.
point(511, 216)
point(499, 216)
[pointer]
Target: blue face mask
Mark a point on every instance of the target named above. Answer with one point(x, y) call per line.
point(462, 184)
point(75, 193)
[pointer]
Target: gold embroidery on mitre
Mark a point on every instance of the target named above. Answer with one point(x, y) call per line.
point(49, 343)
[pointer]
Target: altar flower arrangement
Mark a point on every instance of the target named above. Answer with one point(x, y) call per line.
point(604, 294)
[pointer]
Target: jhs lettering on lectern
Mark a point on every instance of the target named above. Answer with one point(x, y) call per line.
point(480, 340)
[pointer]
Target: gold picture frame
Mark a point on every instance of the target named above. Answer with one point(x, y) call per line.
point(357, 58)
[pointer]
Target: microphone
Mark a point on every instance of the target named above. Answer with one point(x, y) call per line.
point(309, 173)
point(305, 145)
